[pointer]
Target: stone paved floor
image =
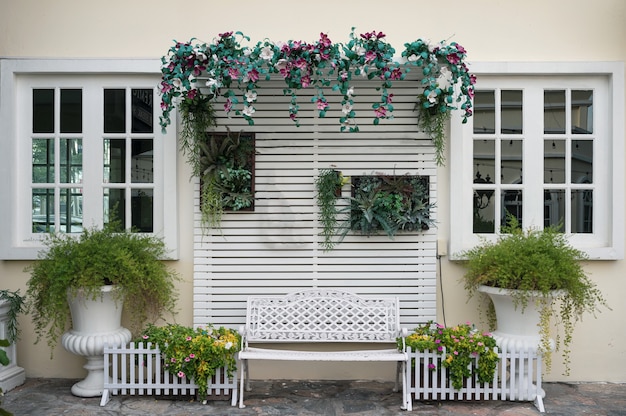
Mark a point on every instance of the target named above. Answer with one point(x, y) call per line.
point(51, 397)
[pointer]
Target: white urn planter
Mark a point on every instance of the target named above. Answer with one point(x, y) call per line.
point(11, 375)
point(517, 330)
point(95, 323)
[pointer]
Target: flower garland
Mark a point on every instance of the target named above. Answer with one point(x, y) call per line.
point(234, 72)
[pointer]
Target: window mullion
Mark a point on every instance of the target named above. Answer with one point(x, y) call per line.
point(533, 186)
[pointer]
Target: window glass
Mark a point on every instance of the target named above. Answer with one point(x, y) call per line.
point(142, 201)
point(484, 112)
point(553, 161)
point(142, 162)
point(582, 111)
point(142, 110)
point(71, 160)
point(43, 111)
point(43, 210)
point(71, 114)
point(43, 160)
point(554, 112)
point(582, 161)
point(114, 160)
point(511, 161)
point(511, 112)
point(114, 111)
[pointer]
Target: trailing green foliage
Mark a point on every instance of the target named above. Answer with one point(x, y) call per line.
point(130, 261)
point(536, 263)
point(17, 305)
point(195, 353)
point(328, 184)
point(389, 204)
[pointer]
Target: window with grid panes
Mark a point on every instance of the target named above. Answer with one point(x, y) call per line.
point(541, 149)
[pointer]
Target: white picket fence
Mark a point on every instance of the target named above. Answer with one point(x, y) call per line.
point(137, 369)
point(517, 378)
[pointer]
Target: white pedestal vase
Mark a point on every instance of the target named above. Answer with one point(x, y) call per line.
point(95, 323)
point(517, 332)
point(11, 375)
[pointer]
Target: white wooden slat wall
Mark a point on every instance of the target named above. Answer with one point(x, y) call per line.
point(276, 249)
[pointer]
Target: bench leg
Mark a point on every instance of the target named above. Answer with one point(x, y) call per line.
point(396, 385)
point(243, 374)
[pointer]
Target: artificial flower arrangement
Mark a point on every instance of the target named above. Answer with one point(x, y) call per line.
point(465, 352)
point(195, 353)
point(234, 72)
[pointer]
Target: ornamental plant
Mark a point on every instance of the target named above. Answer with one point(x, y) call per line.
point(465, 352)
point(540, 266)
point(328, 185)
point(225, 69)
point(195, 354)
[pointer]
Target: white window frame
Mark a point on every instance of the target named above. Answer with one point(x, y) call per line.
point(18, 242)
point(608, 242)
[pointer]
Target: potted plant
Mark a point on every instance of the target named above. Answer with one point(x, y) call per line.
point(195, 353)
point(465, 352)
point(534, 268)
point(85, 280)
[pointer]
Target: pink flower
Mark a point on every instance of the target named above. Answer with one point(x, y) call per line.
point(181, 374)
point(380, 112)
point(173, 360)
point(228, 105)
point(324, 40)
point(456, 353)
point(233, 72)
point(187, 359)
point(440, 348)
point(189, 338)
point(145, 337)
point(192, 355)
point(192, 94)
point(253, 75)
point(432, 366)
point(370, 56)
point(321, 104)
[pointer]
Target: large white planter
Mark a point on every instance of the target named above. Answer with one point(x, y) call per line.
point(94, 324)
point(11, 375)
point(517, 330)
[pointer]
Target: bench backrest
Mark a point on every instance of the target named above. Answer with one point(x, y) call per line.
point(322, 315)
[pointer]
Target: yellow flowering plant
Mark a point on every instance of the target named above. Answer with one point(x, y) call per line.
point(195, 354)
point(465, 351)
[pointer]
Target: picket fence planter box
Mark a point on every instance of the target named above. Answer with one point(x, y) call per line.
point(517, 378)
point(137, 369)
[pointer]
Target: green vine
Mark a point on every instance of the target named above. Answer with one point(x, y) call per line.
point(328, 184)
point(17, 305)
point(434, 123)
point(197, 116)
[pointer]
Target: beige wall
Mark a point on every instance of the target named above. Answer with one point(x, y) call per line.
point(491, 30)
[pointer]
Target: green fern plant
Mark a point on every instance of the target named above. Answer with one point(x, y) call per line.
point(536, 262)
point(69, 264)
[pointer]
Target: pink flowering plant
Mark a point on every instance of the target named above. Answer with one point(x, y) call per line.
point(465, 352)
point(194, 354)
point(230, 73)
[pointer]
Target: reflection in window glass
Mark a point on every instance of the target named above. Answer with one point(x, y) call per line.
point(43, 160)
point(43, 210)
point(484, 112)
point(114, 160)
point(484, 174)
point(554, 112)
point(115, 206)
point(582, 161)
point(512, 205)
point(582, 211)
point(71, 161)
point(71, 218)
point(554, 161)
point(114, 111)
point(511, 161)
point(142, 210)
point(142, 110)
point(582, 112)
point(43, 111)
point(71, 114)
point(511, 112)
point(554, 208)
point(142, 162)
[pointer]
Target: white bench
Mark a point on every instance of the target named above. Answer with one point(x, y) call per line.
point(322, 316)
